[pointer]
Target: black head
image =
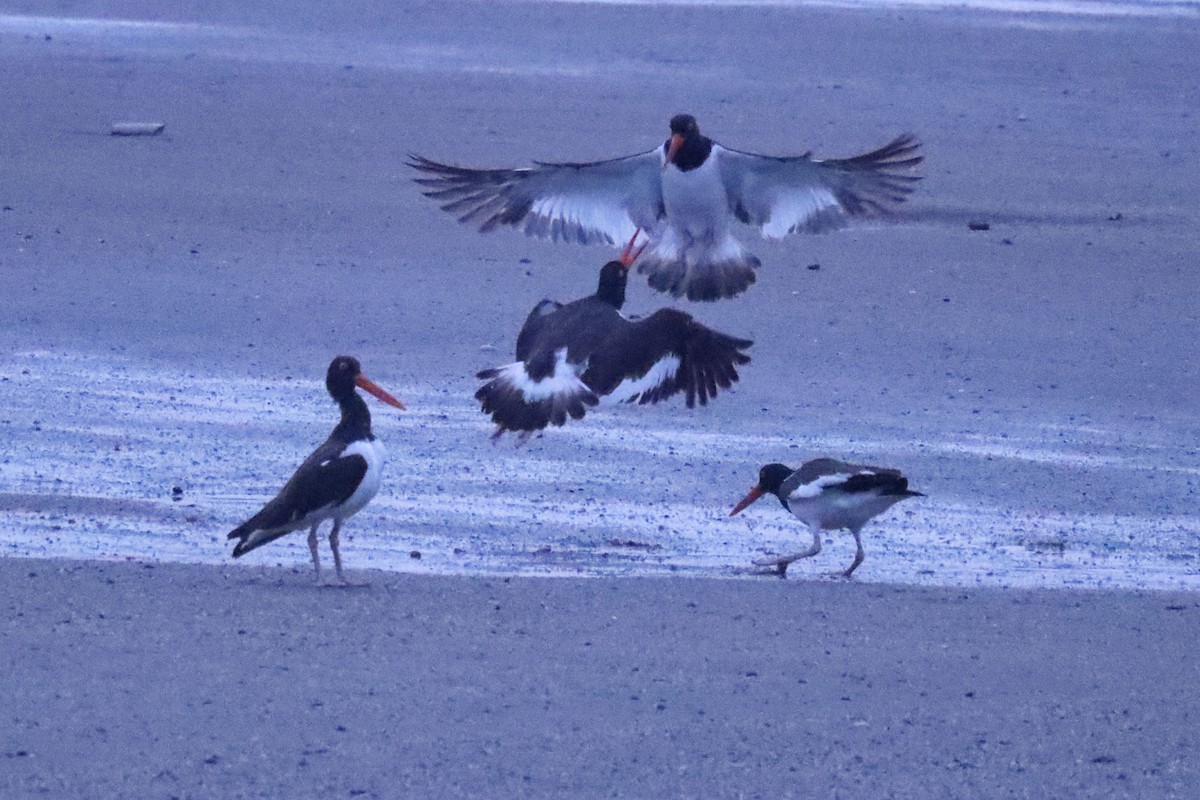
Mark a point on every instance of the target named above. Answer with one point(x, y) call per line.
point(344, 376)
point(772, 476)
point(613, 277)
point(340, 378)
point(684, 125)
point(686, 148)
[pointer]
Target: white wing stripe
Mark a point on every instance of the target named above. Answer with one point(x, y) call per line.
point(629, 389)
point(588, 219)
point(793, 208)
point(815, 488)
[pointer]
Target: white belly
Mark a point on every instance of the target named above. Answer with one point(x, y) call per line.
point(375, 454)
point(832, 510)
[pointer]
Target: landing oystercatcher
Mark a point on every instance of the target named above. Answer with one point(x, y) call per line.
point(569, 356)
point(686, 195)
point(826, 494)
point(335, 482)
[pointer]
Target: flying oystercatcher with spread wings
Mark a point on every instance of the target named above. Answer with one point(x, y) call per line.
point(570, 356)
point(826, 494)
point(686, 195)
point(335, 482)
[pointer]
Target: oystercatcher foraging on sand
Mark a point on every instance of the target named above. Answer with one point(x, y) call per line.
point(826, 494)
point(335, 482)
point(686, 195)
point(570, 356)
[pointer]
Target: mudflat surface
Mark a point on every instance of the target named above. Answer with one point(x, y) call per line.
point(132, 680)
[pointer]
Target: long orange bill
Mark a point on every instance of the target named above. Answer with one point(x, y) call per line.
point(630, 255)
point(368, 385)
point(673, 148)
point(754, 494)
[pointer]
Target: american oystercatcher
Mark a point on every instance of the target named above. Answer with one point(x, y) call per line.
point(826, 494)
point(686, 195)
point(335, 482)
point(569, 356)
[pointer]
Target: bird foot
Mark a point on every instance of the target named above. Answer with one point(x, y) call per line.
point(778, 566)
point(521, 437)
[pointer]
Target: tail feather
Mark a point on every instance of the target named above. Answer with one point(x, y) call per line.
point(247, 542)
point(701, 272)
point(504, 398)
point(253, 537)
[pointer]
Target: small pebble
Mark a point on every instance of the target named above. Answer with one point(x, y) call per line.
point(137, 128)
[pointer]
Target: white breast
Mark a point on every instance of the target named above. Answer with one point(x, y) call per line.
point(375, 454)
point(695, 201)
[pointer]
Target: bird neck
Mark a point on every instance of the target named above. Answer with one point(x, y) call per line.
point(612, 294)
point(613, 278)
point(356, 419)
point(692, 153)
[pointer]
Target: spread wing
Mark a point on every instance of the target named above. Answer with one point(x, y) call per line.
point(666, 353)
point(783, 195)
point(534, 325)
point(589, 203)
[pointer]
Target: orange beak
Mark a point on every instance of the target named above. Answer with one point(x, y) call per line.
point(630, 255)
point(368, 385)
point(754, 494)
point(673, 148)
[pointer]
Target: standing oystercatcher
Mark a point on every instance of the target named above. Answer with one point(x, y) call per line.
point(569, 356)
point(335, 482)
point(826, 494)
point(686, 195)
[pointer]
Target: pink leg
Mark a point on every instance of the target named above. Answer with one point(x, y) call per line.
point(312, 548)
point(858, 554)
point(783, 562)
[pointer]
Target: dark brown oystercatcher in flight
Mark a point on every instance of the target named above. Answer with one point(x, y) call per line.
point(826, 494)
point(686, 195)
point(569, 356)
point(335, 482)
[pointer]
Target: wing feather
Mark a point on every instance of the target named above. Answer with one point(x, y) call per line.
point(651, 359)
point(588, 203)
point(323, 480)
point(783, 195)
point(535, 323)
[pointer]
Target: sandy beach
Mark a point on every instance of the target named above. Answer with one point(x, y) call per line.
point(575, 617)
